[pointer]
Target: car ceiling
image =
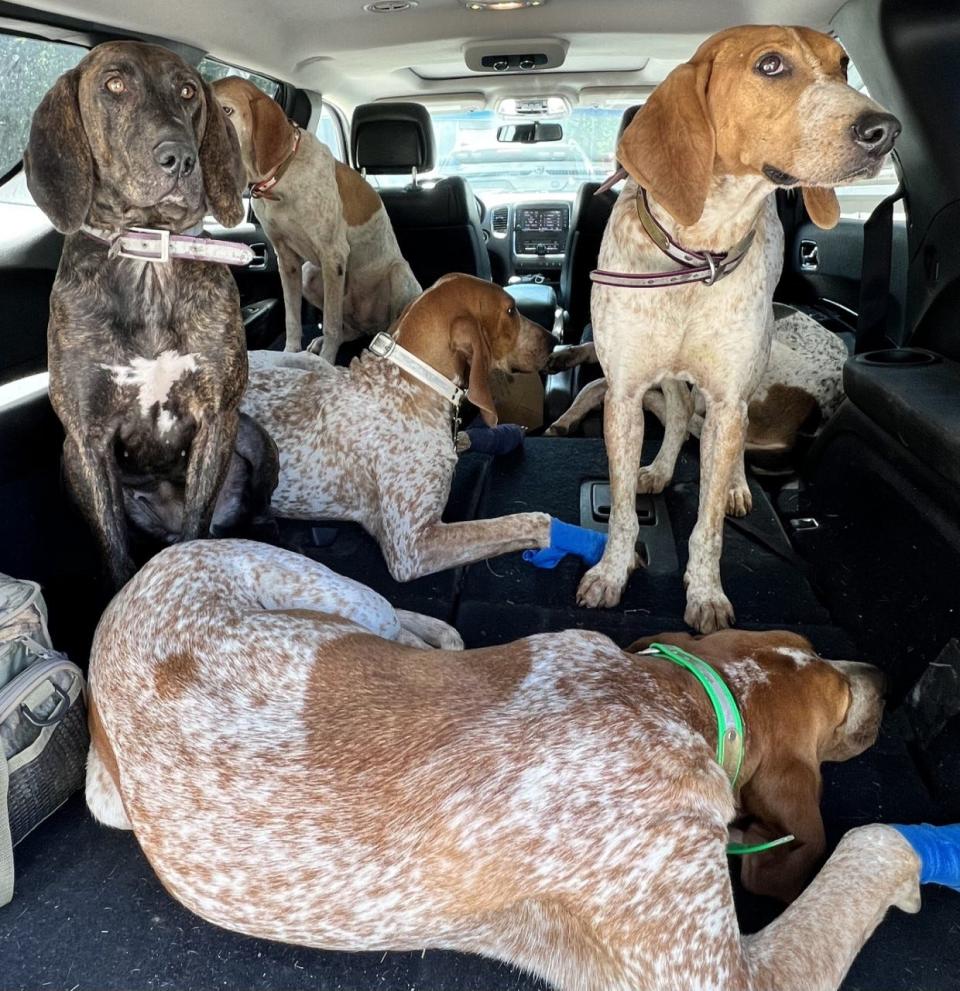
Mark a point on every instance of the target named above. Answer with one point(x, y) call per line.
point(351, 55)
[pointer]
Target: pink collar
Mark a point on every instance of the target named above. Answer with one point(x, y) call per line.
point(148, 244)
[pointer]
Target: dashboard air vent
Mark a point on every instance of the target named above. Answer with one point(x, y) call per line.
point(498, 221)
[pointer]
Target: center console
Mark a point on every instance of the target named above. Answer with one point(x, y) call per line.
point(540, 237)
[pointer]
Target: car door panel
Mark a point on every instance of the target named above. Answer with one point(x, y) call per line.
point(824, 267)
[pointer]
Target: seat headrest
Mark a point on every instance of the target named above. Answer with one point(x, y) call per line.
point(628, 116)
point(392, 138)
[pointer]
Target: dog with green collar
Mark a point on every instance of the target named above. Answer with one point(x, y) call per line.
point(773, 711)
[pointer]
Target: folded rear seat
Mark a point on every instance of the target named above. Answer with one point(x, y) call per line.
point(509, 598)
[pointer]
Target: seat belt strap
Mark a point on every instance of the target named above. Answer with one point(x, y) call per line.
point(875, 277)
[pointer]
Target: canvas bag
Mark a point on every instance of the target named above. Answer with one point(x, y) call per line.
point(43, 726)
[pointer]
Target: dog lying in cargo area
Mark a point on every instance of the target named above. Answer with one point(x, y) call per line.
point(297, 766)
point(803, 375)
point(373, 443)
point(333, 239)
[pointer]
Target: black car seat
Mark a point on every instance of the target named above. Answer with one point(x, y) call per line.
point(437, 224)
point(590, 215)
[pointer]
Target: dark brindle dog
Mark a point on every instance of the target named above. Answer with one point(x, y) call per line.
point(147, 358)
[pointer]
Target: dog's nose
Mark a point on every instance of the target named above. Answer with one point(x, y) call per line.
point(875, 132)
point(176, 158)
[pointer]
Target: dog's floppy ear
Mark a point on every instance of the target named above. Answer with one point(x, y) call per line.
point(58, 161)
point(670, 145)
point(269, 133)
point(467, 337)
point(223, 174)
point(822, 206)
point(783, 797)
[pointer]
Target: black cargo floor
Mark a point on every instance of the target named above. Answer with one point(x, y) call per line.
point(89, 912)
point(507, 598)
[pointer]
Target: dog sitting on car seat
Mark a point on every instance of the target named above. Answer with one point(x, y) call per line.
point(147, 354)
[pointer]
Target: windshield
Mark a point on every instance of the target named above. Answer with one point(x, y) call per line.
point(467, 146)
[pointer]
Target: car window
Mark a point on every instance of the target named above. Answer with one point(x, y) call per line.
point(330, 131)
point(859, 199)
point(212, 69)
point(28, 68)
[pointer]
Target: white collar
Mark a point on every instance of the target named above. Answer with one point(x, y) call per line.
point(151, 244)
point(384, 346)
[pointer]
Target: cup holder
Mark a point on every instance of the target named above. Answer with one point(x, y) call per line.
point(898, 357)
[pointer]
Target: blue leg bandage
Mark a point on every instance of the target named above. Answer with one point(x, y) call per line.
point(565, 538)
point(938, 848)
point(501, 439)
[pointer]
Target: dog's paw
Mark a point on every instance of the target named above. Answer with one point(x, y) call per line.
point(443, 637)
point(600, 588)
point(739, 500)
point(555, 430)
point(316, 345)
point(651, 481)
point(431, 632)
point(559, 361)
point(708, 610)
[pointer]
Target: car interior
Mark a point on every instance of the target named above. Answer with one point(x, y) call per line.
point(854, 536)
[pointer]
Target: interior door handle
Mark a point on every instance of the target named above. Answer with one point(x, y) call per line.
point(809, 256)
point(259, 263)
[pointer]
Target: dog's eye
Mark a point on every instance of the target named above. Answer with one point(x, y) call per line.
point(770, 65)
point(116, 85)
point(188, 91)
point(512, 312)
point(227, 110)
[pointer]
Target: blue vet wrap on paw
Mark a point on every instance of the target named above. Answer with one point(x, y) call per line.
point(502, 439)
point(565, 538)
point(938, 848)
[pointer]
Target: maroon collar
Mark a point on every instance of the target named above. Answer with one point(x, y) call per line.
point(707, 267)
point(261, 190)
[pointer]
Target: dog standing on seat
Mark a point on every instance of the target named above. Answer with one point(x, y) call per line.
point(147, 358)
point(756, 108)
point(555, 803)
point(333, 238)
point(373, 443)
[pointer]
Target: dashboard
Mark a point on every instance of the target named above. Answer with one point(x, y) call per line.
point(529, 237)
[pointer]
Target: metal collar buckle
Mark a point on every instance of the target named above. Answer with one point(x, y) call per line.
point(163, 247)
point(382, 345)
point(715, 272)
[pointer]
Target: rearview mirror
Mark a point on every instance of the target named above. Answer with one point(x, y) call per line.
point(530, 133)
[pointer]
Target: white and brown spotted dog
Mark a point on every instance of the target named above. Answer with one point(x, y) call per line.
point(756, 108)
point(295, 766)
point(321, 218)
point(372, 444)
point(804, 374)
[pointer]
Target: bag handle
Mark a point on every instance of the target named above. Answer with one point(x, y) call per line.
point(6, 841)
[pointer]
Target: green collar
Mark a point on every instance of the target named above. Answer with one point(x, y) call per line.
point(729, 721)
point(730, 732)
